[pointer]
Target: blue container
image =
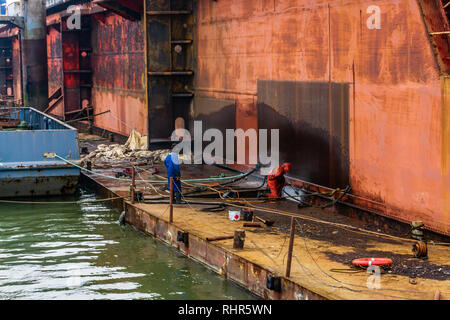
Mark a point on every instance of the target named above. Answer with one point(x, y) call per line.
point(24, 168)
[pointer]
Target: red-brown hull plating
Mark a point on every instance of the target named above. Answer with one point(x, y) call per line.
point(397, 136)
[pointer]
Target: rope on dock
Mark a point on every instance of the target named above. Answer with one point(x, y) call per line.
point(273, 211)
point(147, 181)
point(339, 225)
point(237, 204)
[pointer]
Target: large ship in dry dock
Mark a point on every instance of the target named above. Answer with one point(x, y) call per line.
point(361, 87)
point(358, 91)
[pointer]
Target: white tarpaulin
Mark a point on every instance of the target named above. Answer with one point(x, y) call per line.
point(136, 141)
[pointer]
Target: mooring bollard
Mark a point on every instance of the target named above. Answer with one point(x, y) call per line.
point(171, 200)
point(133, 184)
point(291, 247)
point(239, 239)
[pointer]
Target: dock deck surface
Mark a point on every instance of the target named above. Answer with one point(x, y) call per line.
point(311, 265)
point(320, 256)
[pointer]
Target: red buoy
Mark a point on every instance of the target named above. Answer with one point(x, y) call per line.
point(367, 262)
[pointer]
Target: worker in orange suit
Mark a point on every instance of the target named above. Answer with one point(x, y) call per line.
point(276, 180)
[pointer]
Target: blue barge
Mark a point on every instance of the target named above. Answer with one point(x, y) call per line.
point(27, 136)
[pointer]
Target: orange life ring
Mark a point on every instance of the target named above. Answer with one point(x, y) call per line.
point(367, 262)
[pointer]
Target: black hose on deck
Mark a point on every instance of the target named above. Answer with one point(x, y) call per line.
point(257, 167)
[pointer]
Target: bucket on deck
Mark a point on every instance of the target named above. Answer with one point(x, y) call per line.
point(234, 215)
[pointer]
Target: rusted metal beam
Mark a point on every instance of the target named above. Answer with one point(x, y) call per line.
point(56, 94)
point(252, 225)
point(266, 222)
point(218, 238)
point(88, 117)
point(171, 200)
point(84, 12)
point(9, 123)
point(291, 248)
point(133, 184)
point(34, 55)
point(144, 18)
point(119, 9)
point(434, 17)
point(52, 105)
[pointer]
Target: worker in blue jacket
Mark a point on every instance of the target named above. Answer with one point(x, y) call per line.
point(173, 171)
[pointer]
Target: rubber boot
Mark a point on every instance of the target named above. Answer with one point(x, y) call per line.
point(178, 199)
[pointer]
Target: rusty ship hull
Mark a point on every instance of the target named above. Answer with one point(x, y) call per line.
point(359, 90)
point(356, 103)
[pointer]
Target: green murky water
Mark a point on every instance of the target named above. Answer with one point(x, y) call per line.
point(80, 252)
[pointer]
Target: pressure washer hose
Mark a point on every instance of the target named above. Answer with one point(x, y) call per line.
point(256, 168)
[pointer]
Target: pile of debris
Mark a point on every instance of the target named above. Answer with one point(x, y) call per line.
point(134, 150)
point(122, 152)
